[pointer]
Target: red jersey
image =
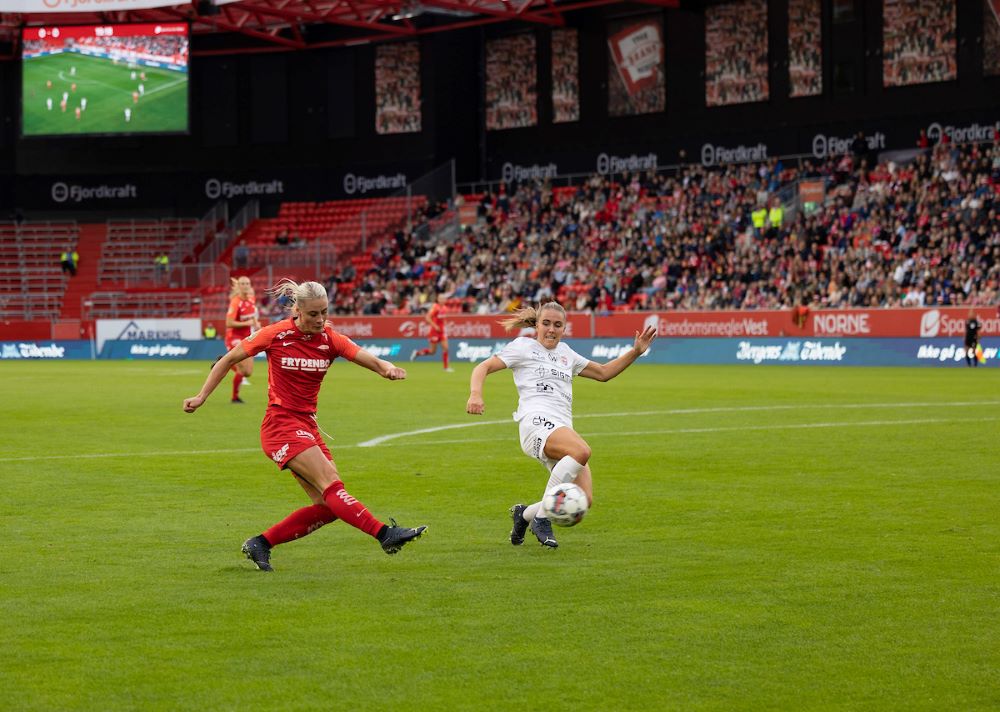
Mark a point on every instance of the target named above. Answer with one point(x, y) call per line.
point(239, 309)
point(297, 362)
point(437, 319)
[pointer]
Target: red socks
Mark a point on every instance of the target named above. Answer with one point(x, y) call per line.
point(444, 355)
point(237, 380)
point(350, 510)
point(305, 521)
point(299, 523)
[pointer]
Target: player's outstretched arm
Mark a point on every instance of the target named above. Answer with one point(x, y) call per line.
point(215, 376)
point(383, 368)
point(475, 404)
point(607, 371)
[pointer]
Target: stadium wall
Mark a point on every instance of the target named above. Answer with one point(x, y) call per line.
point(313, 113)
point(911, 323)
point(942, 352)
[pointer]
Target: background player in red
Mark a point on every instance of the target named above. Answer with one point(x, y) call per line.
point(435, 317)
point(241, 320)
point(300, 349)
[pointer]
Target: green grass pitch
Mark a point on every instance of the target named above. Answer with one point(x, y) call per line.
point(108, 89)
point(763, 538)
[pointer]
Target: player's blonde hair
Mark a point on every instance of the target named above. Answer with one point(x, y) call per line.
point(528, 317)
point(296, 292)
point(234, 288)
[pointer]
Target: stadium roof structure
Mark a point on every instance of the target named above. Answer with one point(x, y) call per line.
point(288, 25)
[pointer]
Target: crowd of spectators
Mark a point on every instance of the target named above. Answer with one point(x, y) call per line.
point(397, 88)
point(565, 77)
point(805, 47)
point(887, 235)
point(168, 48)
point(736, 53)
point(628, 97)
point(918, 42)
point(511, 84)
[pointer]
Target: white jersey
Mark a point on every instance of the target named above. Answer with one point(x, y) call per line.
point(544, 378)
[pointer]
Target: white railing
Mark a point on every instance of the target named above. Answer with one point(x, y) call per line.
point(114, 305)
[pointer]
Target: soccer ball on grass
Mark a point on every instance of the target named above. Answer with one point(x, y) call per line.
point(565, 504)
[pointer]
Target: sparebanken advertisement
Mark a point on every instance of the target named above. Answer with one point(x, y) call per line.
point(908, 323)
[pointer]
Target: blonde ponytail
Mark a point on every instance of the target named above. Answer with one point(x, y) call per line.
point(296, 292)
point(527, 318)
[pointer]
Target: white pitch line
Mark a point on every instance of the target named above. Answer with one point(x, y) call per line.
point(665, 431)
point(102, 455)
point(724, 429)
point(454, 426)
point(685, 411)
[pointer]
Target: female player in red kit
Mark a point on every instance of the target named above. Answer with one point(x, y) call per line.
point(435, 317)
point(241, 320)
point(299, 351)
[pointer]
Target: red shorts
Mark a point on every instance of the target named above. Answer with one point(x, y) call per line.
point(232, 343)
point(436, 337)
point(286, 433)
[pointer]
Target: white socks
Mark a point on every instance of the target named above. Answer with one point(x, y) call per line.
point(566, 470)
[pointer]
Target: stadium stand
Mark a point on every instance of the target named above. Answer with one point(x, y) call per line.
point(32, 282)
point(339, 225)
point(305, 237)
point(126, 304)
point(923, 233)
point(132, 246)
point(909, 234)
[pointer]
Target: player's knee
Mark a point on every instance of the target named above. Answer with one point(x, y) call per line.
point(581, 453)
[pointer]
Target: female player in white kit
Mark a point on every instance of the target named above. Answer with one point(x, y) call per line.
point(544, 368)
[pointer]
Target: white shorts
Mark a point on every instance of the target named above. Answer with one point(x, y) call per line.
point(535, 430)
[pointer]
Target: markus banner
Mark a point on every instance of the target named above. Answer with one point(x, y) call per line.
point(904, 323)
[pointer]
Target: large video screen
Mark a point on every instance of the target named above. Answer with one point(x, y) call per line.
point(104, 79)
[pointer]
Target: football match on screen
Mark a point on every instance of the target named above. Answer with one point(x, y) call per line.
point(111, 79)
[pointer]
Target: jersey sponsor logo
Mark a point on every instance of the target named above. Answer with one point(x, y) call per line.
point(305, 434)
point(293, 363)
point(279, 454)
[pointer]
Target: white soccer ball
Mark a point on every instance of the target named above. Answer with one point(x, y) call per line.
point(565, 504)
